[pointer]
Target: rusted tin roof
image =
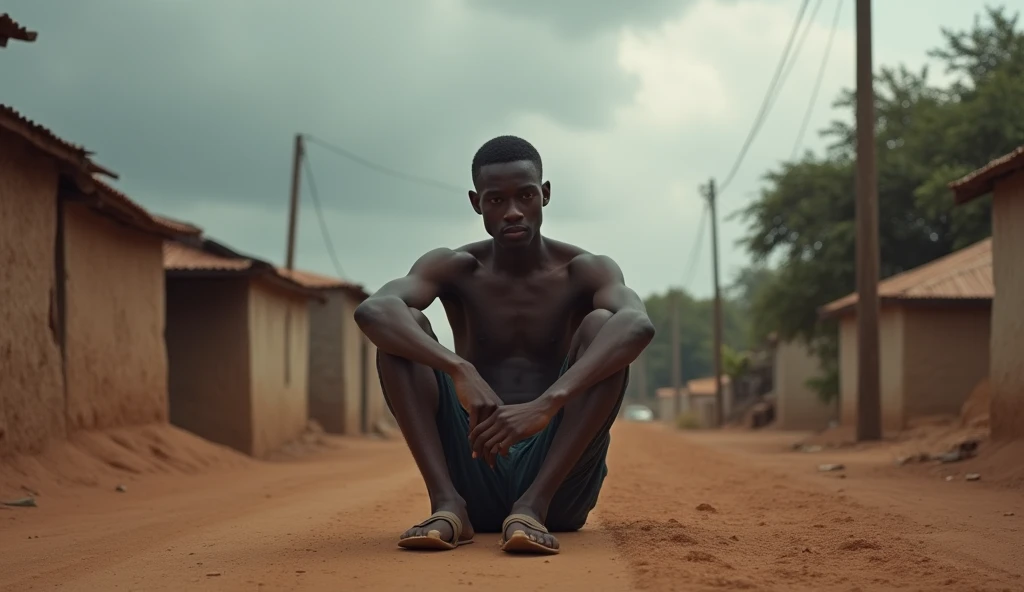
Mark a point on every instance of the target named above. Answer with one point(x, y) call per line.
point(10, 29)
point(48, 142)
point(982, 181)
point(179, 257)
point(316, 281)
point(963, 275)
point(704, 387)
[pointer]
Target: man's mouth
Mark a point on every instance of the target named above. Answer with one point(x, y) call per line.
point(514, 231)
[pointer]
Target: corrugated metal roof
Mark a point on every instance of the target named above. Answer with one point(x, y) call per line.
point(45, 140)
point(183, 228)
point(321, 282)
point(982, 181)
point(10, 29)
point(963, 275)
point(704, 387)
point(179, 257)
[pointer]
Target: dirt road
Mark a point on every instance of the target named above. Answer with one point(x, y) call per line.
point(680, 512)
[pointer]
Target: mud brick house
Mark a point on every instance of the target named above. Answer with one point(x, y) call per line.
point(81, 294)
point(1003, 178)
point(934, 328)
point(237, 343)
point(345, 395)
point(797, 406)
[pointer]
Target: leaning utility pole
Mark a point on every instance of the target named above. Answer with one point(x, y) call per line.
point(869, 408)
point(293, 208)
point(717, 353)
point(677, 358)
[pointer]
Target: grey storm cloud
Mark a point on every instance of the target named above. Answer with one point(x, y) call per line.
point(198, 102)
point(587, 17)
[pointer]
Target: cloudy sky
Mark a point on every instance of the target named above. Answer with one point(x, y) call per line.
point(633, 105)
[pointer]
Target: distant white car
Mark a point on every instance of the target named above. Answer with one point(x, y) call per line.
point(638, 413)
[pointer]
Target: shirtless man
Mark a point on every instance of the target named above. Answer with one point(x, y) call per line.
point(510, 431)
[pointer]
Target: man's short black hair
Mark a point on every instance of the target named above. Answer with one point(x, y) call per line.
point(506, 149)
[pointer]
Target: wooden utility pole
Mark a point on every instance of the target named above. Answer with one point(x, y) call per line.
point(293, 208)
point(677, 358)
point(717, 353)
point(869, 408)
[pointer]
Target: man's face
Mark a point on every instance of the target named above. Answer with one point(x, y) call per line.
point(510, 197)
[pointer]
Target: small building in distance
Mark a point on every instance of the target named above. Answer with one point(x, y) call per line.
point(81, 294)
point(934, 327)
point(671, 404)
point(237, 342)
point(1003, 178)
point(345, 396)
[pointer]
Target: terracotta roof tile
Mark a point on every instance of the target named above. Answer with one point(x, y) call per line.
point(10, 29)
point(963, 275)
point(179, 257)
point(321, 282)
point(45, 140)
point(183, 228)
point(704, 387)
point(982, 181)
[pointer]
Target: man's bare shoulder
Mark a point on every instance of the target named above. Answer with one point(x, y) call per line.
point(445, 263)
point(595, 270)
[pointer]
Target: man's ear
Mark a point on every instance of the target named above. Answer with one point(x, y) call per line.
point(546, 190)
point(474, 200)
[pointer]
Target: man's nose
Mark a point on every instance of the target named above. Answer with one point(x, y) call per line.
point(512, 214)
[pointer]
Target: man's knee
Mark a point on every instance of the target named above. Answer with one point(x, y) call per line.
point(588, 329)
point(423, 322)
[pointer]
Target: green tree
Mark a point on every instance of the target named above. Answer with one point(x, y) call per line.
point(926, 137)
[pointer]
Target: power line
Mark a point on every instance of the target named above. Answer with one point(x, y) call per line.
point(695, 250)
point(320, 216)
point(817, 83)
point(796, 51)
point(766, 102)
point(384, 170)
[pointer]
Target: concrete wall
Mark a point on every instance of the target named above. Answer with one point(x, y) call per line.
point(1007, 345)
point(892, 348)
point(31, 379)
point(208, 354)
point(116, 360)
point(279, 362)
point(326, 363)
point(946, 353)
point(336, 365)
point(797, 407)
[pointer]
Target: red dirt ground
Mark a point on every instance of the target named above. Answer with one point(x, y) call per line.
point(681, 511)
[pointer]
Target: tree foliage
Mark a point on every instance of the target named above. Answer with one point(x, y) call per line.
point(926, 136)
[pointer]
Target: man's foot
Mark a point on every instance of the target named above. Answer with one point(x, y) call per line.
point(447, 528)
point(523, 532)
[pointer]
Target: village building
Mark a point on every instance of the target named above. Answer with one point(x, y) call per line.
point(697, 400)
point(10, 29)
point(237, 342)
point(797, 406)
point(345, 395)
point(81, 294)
point(934, 327)
point(1003, 178)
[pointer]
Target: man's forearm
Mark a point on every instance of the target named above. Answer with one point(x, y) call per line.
point(619, 342)
point(389, 324)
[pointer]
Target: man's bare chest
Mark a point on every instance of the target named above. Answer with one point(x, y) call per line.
point(528, 318)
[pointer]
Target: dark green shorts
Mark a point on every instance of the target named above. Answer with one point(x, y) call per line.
point(490, 493)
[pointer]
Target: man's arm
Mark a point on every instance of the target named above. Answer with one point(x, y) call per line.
point(386, 320)
point(619, 342)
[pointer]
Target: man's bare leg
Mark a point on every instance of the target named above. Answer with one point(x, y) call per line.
point(413, 393)
point(582, 419)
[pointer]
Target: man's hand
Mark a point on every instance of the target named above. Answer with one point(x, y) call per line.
point(476, 396)
point(508, 425)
